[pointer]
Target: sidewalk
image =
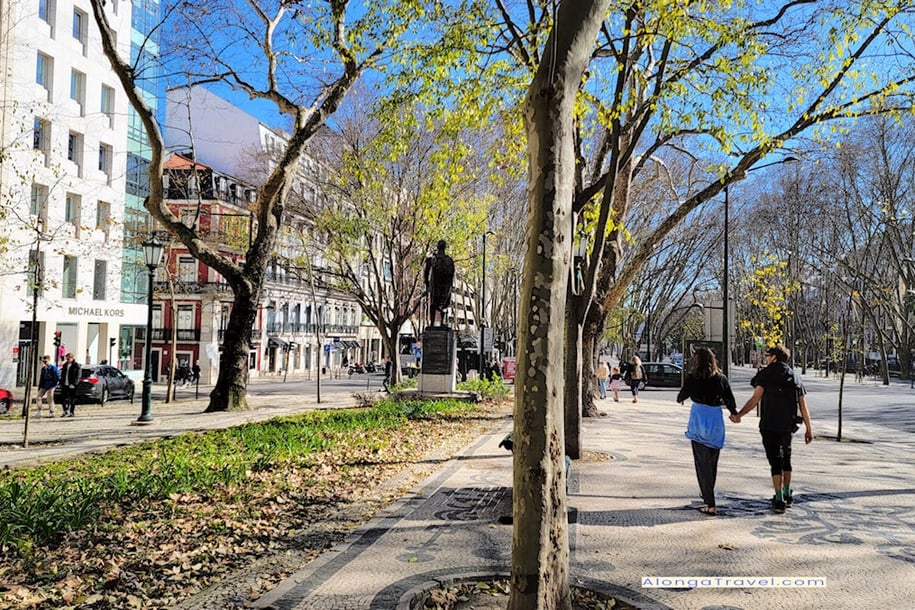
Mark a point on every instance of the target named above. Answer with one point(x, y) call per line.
point(852, 524)
point(630, 499)
point(98, 428)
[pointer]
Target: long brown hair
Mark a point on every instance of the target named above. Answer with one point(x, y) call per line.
point(705, 364)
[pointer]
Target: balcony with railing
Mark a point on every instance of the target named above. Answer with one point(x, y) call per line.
point(252, 335)
point(293, 328)
point(165, 334)
point(192, 287)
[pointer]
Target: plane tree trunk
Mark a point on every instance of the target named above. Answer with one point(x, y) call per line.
point(540, 545)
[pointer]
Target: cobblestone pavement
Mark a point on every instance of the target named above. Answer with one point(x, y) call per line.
point(632, 498)
point(631, 510)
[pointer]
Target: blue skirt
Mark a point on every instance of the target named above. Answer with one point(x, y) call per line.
point(706, 425)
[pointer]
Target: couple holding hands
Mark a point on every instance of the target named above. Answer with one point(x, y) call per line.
point(780, 395)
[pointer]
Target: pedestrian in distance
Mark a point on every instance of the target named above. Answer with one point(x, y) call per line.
point(781, 396)
point(69, 379)
point(195, 371)
point(48, 379)
point(495, 369)
point(388, 371)
point(708, 390)
point(603, 378)
point(635, 375)
point(616, 382)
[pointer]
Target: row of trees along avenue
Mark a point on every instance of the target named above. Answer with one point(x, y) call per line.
point(600, 93)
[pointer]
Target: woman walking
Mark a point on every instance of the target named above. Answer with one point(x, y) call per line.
point(603, 374)
point(635, 374)
point(708, 390)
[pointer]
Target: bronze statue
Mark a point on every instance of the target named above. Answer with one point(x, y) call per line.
point(439, 278)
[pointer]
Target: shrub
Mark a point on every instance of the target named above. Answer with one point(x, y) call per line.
point(494, 389)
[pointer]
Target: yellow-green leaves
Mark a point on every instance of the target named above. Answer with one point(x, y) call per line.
point(769, 288)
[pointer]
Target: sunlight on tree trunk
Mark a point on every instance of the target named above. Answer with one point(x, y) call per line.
point(540, 545)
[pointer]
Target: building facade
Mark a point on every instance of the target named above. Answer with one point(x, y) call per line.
point(66, 174)
point(302, 325)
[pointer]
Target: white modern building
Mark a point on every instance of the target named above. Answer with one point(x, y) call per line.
point(72, 181)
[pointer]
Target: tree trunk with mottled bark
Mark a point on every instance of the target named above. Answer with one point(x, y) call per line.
point(540, 546)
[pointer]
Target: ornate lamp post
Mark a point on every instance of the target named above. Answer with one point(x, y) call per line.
point(152, 254)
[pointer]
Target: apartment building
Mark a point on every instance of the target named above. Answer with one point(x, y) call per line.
point(303, 324)
point(71, 185)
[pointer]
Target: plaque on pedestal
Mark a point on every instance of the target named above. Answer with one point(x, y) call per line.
point(437, 374)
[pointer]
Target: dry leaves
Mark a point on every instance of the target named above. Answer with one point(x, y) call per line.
point(155, 554)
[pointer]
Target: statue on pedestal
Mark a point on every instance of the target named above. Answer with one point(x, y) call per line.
point(439, 278)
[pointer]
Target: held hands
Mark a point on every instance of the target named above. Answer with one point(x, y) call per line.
point(735, 417)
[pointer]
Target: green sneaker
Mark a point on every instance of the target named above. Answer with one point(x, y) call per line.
point(778, 505)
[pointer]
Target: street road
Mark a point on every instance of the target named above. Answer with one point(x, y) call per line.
point(869, 402)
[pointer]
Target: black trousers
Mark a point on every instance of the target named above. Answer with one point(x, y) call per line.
point(777, 444)
point(69, 399)
point(706, 460)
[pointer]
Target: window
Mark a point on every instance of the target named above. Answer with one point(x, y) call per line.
point(44, 73)
point(107, 104)
point(157, 315)
point(187, 269)
point(137, 175)
point(39, 203)
point(72, 211)
point(81, 28)
point(36, 272)
point(42, 138)
point(105, 154)
point(78, 90)
point(185, 317)
point(103, 216)
point(68, 285)
point(43, 13)
point(99, 279)
point(75, 150)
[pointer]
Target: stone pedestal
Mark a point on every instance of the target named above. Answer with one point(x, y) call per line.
point(438, 375)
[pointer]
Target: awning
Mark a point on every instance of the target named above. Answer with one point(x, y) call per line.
point(276, 342)
point(343, 345)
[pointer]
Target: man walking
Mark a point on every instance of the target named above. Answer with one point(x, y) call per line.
point(47, 381)
point(388, 370)
point(69, 378)
point(781, 395)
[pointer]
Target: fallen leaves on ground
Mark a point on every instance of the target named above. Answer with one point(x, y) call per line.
point(157, 554)
point(494, 594)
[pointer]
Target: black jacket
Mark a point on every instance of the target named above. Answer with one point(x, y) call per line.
point(781, 388)
point(69, 374)
point(712, 391)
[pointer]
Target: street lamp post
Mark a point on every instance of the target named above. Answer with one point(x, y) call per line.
point(152, 253)
point(725, 359)
point(483, 308)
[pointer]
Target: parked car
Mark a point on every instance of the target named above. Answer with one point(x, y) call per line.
point(6, 400)
point(100, 383)
point(662, 375)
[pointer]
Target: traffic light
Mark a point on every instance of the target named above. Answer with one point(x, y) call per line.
point(56, 338)
point(112, 341)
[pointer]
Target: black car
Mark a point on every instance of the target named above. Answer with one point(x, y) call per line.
point(662, 375)
point(100, 384)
